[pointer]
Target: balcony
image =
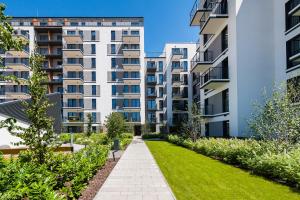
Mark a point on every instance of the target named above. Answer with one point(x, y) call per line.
point(72, 37)
point(131, 95)
point(49, 41)
point(56, 68)
point(151, 81)
point(152, 94)
point(132, 81)
point(292, 14)
point(22, 35)
point(55, 80)
point(77, 107)
point(16, 95)
point(74, 120)
point(73, 65)
point(131, 52)
point(131, 108)
point(214, 78)
point(177, 69)
point(177, 54)
point(131, 37)
point(51, 54)
point(73, 94)
point(200, 7)
point(211, 21)
point(151, 66)
point(202, 61)
point(73, 80)
point(24, 53)
point(17, 66)
point(72, 51)
point(177, 83)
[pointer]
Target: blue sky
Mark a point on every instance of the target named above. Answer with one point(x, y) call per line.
point(165, 20)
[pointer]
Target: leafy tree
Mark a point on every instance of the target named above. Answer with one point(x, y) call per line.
point(192, 127)
point(8, 40)
point(39, 136)
point(89, 125)
point(115, 125)
point(277, 118)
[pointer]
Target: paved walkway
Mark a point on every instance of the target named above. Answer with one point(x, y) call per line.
point(135, 177)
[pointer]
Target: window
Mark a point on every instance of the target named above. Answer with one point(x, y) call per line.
point(113, 35)
point(114, 103)
point(113, 63)
point(93, 76)
point(94, 89)
point(93, 46)
point(113, 49)
point(71, 88)
point(151, 78)
point(113, 89)
point(94, 104)
point(94, 117)
point(71, 32)
point(72, 103)
point(74, 23)
point(135, 103)
point(126, 103)
point(160, 79)
point(150, 91)
point(135, 74)
point(126, 75)
point(71, 74)
point(126, 89)
point(93, 62)
point(151, 104)
point(113, 76)
point(175, 64)
point(185, 66)
point(93, 35)
point(135, 117)
point(81, 89)
point(135, 33)
point(185, 53)
point(160, 66)
point(135, 89)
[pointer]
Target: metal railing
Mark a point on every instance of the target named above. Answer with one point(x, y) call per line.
point(201, 5)
point(214, 73)
point(202, 57)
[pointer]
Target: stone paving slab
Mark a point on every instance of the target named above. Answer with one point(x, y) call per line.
point(135, 177)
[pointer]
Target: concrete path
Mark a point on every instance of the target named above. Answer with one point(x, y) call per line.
point(135, 177)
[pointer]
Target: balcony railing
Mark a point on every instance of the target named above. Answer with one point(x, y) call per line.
point(205, 5)
point(214, 73)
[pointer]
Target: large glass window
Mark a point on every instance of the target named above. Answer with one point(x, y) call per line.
point(126, 89)
point(135, 74)
point(113, 35)
point(160, 66)
point(113, 76)
point(126, 103)
point(93, 62)
point(135, 103)
point(93, 35)
point(160, 79)
point(93, 76)
point(151, 104)
point(113, 49)
point(113, 89)
point(114, 103)
point(113, 63)
point(93, 49)
point(71, 88)
point(94, 89)
point(135, 117)
point(135, 89)
point(94, 104)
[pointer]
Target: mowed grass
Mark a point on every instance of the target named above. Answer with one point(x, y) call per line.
point(194, 176)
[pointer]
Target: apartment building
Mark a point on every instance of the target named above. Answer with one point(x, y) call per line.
point(244, 46)
point(169, 86)
point(96, 63)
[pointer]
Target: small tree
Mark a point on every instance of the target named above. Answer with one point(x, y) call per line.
point(277, 118)
point(89, 125)
point(115, 125)
point(39, 136)
point(192, 126)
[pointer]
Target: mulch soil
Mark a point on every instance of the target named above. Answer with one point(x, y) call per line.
point(97, 181)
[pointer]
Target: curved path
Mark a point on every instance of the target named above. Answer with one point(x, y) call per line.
point(135, 177)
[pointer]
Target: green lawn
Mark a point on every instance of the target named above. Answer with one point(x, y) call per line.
point(194, 176)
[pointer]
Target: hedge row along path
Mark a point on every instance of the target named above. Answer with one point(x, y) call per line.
point(193, 176)
point(135, 177)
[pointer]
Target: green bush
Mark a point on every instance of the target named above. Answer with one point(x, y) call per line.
point(260, 157)
point(152, 136)
point(63, 176)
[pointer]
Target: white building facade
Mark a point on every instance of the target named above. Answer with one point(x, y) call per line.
point(169, 86)
point(244, 47)
point(96, 63)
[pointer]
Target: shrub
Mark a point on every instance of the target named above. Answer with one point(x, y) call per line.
point(115, 125)
point(63, 176)
point(152, 136)
point(258, 156)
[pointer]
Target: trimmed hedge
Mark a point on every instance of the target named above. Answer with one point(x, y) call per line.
point(153, 136)
point(259, 157)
